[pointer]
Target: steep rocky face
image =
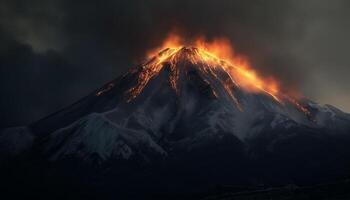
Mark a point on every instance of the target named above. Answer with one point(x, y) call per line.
point(184, 115)
point(175, 74)
point(180, 95)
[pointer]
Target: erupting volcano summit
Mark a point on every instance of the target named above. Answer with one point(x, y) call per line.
point(222, 79)
point(186, 118)
point(184, 59)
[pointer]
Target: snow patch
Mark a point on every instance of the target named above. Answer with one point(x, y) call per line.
point(96, 135)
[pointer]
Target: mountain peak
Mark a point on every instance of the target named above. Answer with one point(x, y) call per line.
point(179, 115)
point(220, 77)
point(212, 69)
point(179, 63)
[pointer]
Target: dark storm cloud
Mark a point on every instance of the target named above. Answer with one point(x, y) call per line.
point(65, 49)
point(31, 83)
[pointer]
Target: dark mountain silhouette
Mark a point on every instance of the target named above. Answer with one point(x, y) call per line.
point(178, 125)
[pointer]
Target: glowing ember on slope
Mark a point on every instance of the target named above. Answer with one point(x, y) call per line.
point(105, 89)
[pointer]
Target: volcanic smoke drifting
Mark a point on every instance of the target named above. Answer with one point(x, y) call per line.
point(189, 119)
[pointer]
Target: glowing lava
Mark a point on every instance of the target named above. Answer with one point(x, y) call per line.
point(217, 52)
point(212, 54)
point(211, 59)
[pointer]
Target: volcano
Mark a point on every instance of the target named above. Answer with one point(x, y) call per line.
point(183, 122)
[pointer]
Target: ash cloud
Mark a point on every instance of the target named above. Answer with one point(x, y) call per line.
point(55, 52)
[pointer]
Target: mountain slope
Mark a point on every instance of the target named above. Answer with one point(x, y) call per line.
point(187, 120)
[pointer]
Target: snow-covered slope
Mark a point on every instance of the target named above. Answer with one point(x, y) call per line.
point(169, 98)
point(190, 116)
point(96, 135)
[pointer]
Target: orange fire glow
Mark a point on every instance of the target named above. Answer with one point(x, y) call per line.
point(209, 55)
point(220, 50)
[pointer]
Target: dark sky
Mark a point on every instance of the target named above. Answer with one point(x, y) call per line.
point(54, 52)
